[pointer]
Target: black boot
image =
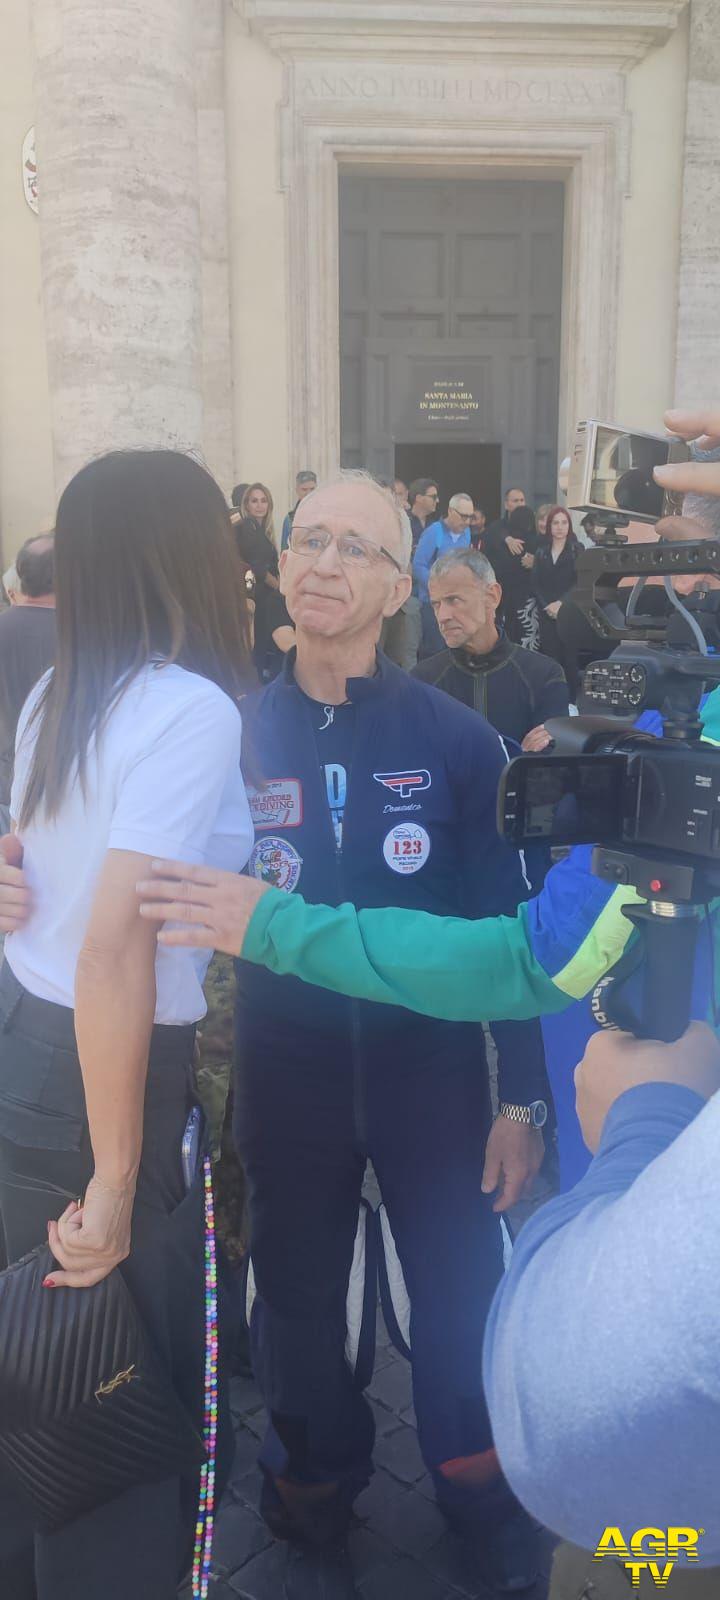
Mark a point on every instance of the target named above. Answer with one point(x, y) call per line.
point(319, 1573)
point(504, 1555)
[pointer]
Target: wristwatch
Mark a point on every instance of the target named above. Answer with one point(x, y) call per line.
point(532, 1116)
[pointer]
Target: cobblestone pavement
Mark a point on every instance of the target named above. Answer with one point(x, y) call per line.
point(401, 1548)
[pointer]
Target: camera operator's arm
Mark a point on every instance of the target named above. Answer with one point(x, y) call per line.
point(551, 953)
point(600, 1363)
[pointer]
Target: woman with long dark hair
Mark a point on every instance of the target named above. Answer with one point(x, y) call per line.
point(554, 575)
point(273, 633)
point(129, 745)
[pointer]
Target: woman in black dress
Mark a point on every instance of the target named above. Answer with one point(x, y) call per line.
point(273, 631)
point(554, 576)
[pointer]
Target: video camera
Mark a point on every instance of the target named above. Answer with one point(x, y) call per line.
point(651, 807)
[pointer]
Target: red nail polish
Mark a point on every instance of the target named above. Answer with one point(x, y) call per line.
point(48, 1283)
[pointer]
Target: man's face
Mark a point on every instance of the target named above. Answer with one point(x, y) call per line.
point(458, 518)
point(426, 504)
point(513, 499)
point(302, 490)
point(464, 606)
point(329, 597)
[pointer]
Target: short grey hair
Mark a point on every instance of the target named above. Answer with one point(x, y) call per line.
point(359, 476)
point(476, 563)
point(456, 505)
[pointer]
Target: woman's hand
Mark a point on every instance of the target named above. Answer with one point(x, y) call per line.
point(515, 546)
point(528, 561)
point(553, 608)
point(90, 1239)
point(15, 902)
point(214, 907)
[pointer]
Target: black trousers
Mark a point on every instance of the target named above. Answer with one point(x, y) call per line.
point(304, 1124)
point(136, 1545)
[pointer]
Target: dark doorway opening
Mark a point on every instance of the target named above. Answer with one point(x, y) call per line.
point(473, 469)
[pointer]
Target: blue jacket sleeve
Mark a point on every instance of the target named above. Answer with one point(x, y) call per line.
point(423, 561)
point(601, 1352)
point(495, 884)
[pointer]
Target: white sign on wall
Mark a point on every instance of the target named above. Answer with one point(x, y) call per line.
point(29, 170)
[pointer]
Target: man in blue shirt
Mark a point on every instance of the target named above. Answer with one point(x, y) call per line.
point(451, 532)
point(305, 482)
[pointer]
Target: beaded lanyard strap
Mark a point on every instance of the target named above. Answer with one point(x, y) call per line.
point(202, 1552)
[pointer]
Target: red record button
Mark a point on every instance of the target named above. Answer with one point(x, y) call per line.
point(656, 884)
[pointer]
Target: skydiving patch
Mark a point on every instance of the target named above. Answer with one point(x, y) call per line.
point(276, 862)
point(278, 804)
point(406, 847)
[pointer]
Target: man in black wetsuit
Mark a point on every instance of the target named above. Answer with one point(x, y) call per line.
point(515, 689)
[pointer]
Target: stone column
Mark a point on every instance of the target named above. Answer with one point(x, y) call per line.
point(120, 240)
point(215, 264)
point(698, 336)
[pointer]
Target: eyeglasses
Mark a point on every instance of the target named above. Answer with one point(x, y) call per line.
point(353, 550)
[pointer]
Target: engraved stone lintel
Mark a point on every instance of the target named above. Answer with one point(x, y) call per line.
point(452, 91)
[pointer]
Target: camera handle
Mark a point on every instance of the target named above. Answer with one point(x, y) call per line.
point(657, 971)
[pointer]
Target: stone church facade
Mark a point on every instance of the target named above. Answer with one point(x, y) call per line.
point(249, 228)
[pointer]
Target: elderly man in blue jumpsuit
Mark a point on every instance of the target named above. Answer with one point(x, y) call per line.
point(380, 790)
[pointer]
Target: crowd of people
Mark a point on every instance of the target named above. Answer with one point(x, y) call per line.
point(212, 693)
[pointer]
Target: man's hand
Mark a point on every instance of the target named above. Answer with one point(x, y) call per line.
point(515, 546)
point(553, 608)
point(513, 1158)
point(614, 1062)
point(693, 477)
point(15, 902)
point(214, 907)
point(537, 739)
point(89, 1240)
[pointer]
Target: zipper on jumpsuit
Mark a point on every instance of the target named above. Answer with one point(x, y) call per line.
point(480, 678)
point(359, 1096)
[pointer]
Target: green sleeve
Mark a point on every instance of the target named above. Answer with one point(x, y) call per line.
point(438, 966)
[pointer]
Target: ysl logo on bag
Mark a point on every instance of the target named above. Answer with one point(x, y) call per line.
point(114, 1383)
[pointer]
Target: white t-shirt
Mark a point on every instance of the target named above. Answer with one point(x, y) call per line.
point(164, 781)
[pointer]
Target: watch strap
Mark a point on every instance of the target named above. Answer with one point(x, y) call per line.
point(521, 1114)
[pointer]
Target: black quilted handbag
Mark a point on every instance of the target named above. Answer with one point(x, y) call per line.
point(86, 1410)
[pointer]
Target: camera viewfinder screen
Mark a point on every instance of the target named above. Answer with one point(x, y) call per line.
point(573, 802)
point(622, 476)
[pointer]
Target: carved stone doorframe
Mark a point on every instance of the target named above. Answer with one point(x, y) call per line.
point(492, 87)
point(591, 158)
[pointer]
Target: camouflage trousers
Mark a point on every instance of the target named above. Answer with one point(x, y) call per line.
point(213, 1076)
point(214, 1046)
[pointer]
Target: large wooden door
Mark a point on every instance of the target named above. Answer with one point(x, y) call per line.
point(447, 277)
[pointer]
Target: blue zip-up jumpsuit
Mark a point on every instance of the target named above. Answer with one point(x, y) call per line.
point(324, 1082)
